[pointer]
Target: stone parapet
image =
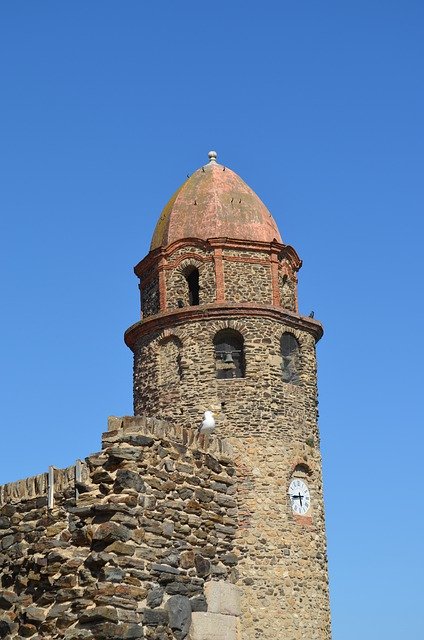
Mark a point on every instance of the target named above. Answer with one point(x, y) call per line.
point(66, 479)
point(128, 543)
point(38, 486)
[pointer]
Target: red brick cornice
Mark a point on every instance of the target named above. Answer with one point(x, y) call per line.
point(216, 311)
point(153, 257)
point(245, 259)
point(187, 256)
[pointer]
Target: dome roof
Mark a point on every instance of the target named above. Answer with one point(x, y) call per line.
point(214, 202)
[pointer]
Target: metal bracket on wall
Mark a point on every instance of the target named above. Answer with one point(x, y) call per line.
point(50, 492)
point(78, 477)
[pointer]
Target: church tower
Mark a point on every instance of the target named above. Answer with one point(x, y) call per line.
point(220, 330)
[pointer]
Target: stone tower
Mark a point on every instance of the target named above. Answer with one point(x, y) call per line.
point(220, 330)
point(168, 533)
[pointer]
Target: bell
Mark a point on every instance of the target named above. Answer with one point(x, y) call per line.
point(228, 358)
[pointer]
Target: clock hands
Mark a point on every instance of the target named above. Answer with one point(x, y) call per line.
point(300, 501)
point(298, 497)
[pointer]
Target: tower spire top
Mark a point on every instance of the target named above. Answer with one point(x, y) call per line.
point(226, 207)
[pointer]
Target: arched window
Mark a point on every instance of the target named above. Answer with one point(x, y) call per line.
point(302, 470)
point(290, 354)
point(192, 278)
point(229, 354)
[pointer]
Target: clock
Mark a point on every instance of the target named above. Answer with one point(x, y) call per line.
point(300, 498)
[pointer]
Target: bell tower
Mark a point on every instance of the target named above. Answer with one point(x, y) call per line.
point(220, 330)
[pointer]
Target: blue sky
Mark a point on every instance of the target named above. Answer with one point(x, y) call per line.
point(104, 109)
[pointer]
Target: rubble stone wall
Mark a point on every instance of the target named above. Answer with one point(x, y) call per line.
point(126, 550)
point(272, 428)
point(247, 281)
point(258, 404)
point(283, 575)
point(150, 303)
point(247, 277)
point(177, 287)
point(287, 292)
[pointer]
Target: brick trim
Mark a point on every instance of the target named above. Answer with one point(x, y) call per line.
point(148, 278)
point(283, 250)
point(216, 311)
point(276, 297)
point(245, 259)
point(173, 264)
point(162, 284)
point(219, 274)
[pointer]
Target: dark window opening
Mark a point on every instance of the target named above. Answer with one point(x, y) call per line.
point(192, 278)
point(290, 354)
point(302, 469)
point(229, 354)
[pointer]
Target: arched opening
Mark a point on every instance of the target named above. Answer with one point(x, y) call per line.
point(229, 354)
point(290, 358)
point(302, 470)
point(192, 278)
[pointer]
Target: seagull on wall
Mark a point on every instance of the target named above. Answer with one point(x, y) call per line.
point(208, 423)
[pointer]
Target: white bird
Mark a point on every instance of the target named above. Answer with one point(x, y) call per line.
point(208, 424)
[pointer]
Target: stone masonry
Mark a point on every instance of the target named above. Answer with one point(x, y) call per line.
point(229, 271)
point(272, 428)
point(247, 286)
point(128, 549)
point(168, 533)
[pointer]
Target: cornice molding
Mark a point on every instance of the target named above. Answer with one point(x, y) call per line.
point(176, 317)
point(163, 254)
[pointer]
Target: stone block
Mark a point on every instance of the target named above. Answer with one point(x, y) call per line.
point(222, 597)
point(110, 532)
point(179, 612)
point(127, 479)
point(114, 423)
point(155, 617)
point(155, 597)
point(35, 614)
point(203, 565)
point(213, 626)
point(27, 630)
point(198, 603)
point(98, 614)
point(7, 599)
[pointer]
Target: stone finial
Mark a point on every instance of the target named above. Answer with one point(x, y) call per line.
point(212, 155)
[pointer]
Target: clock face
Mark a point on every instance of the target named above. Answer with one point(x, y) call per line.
point(300, 498)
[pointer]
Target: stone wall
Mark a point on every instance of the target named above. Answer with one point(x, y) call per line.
point(176, 283)
point(226, 273)
point(124, 551)
point(260, 403)
point(283, 573)
point(247, 282)
point(163, 532)
point(150, 303)
point(272, 428)
point(287, 292)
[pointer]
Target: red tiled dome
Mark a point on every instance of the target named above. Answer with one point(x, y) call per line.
point(214, 202)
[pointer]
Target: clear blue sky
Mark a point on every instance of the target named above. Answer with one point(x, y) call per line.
point(104, 109)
